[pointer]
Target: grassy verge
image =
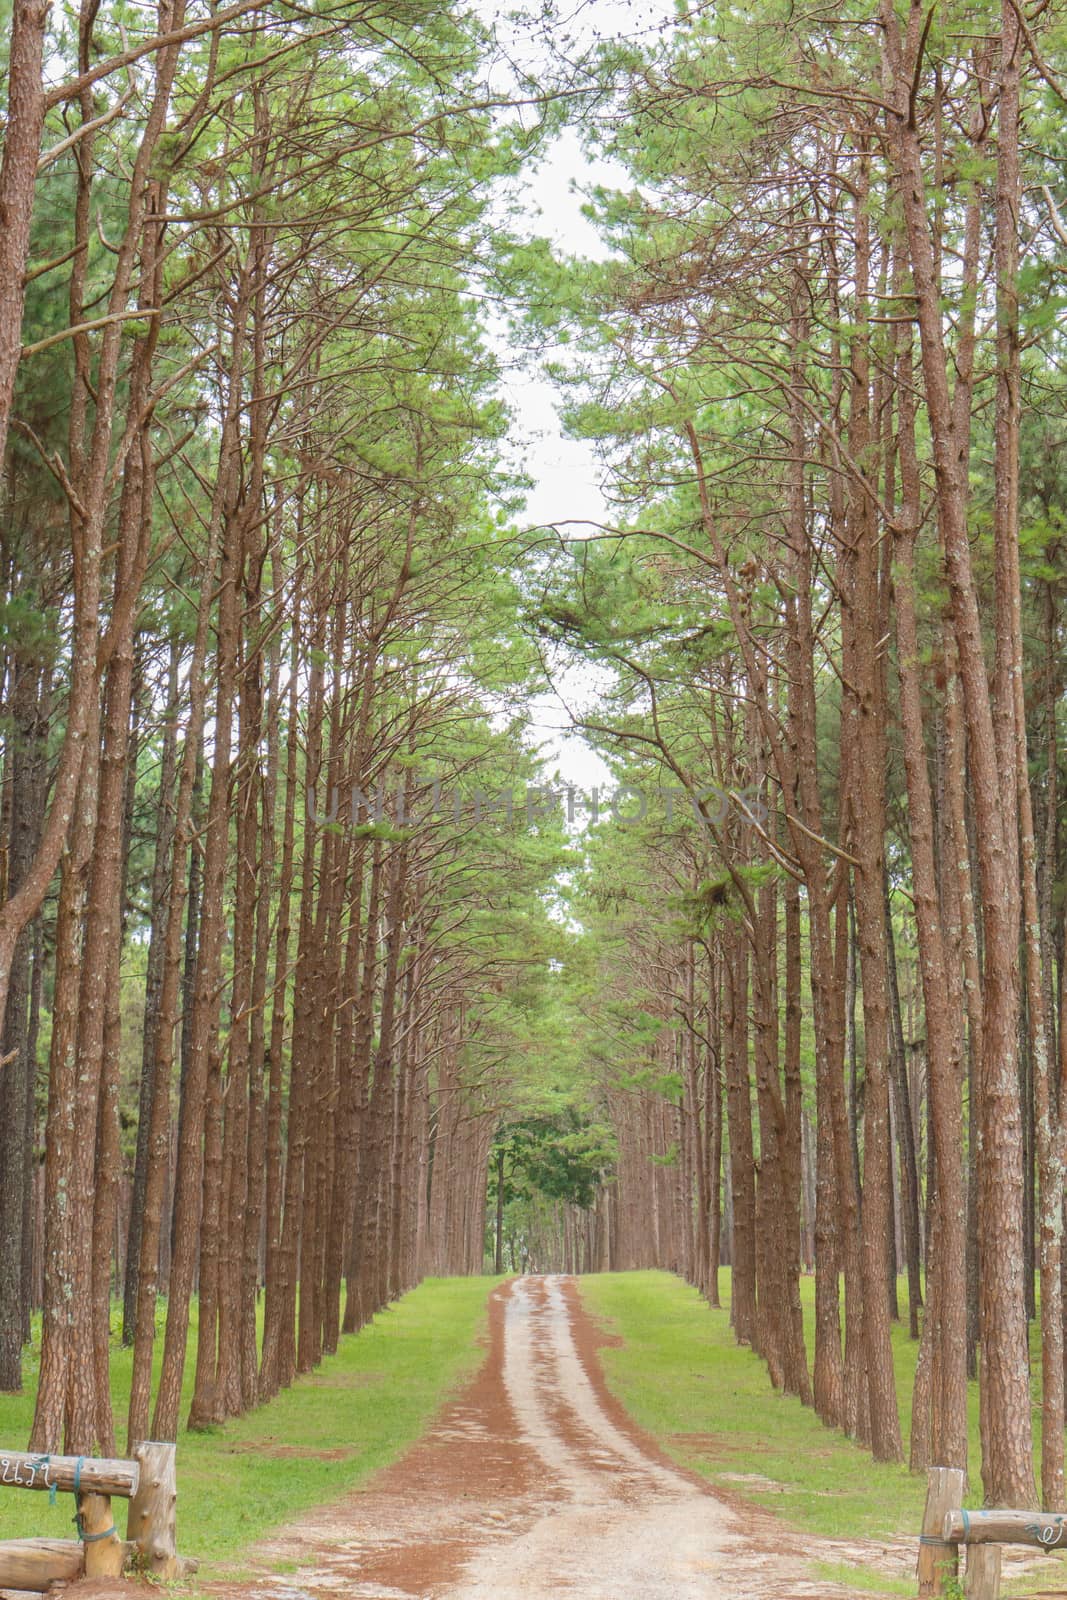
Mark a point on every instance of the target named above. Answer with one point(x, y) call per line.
point(710, 1405)
point(366, 1404)
point(709, 1402)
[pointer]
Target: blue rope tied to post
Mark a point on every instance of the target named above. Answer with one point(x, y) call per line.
point(86, 1538)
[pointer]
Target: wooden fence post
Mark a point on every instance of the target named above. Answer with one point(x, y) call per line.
point(982, 1578)
point(150, 1484)
point(153, 1510)
point(104, 1552)
point(937, 1559)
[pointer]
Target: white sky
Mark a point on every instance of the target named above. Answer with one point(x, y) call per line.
point(566, 480)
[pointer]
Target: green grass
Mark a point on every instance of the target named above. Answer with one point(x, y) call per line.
point(678, 1372)
point(863, 1579)
point(372, 1399)
point(710, 1405)
point(709, 1402)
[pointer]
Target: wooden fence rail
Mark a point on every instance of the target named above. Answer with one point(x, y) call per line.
point(71, 1474)
point(947, 1526)
point(1045, 1530)
point(149, 1482)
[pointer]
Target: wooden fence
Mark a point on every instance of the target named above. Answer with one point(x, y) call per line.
point(148, 1482)
point(947, 1526)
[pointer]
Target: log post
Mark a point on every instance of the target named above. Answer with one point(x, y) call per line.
point(982, 1578)
point(153, 1510)
point(104, 1551)
point(938, 1557)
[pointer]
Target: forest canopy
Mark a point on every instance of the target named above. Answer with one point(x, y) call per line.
point(312, 981)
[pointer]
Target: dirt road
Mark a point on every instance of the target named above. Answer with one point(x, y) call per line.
point(534, 1485)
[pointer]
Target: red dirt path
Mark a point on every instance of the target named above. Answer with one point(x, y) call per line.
point(535, 1484)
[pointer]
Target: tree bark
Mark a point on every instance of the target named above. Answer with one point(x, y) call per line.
point(1005, 1403)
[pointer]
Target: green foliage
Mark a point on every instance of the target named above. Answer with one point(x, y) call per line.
point(563, 1157)
point(26, 631)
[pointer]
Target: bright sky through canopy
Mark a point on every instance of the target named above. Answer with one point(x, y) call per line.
point(566, 481)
